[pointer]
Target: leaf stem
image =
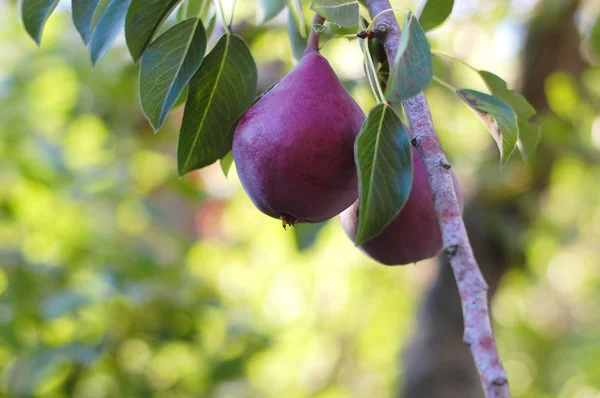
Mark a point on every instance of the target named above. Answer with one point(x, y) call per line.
point(232, 13)
point(371, 72)
point(453, 58)
point(445, 84)
point(460, 61)
point(219, 5)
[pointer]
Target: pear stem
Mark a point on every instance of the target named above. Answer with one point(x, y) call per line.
point(313, 39)
point(471, 284)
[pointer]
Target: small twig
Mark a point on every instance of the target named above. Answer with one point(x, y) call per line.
point(471, 285)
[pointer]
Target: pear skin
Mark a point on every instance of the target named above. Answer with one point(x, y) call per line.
point(414, 234)
point(294, 148)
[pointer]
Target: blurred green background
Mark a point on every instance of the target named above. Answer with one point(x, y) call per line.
point(119, 279)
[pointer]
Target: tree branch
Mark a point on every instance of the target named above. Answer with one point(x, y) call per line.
point(471, 285)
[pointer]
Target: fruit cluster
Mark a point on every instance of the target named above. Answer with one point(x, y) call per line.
point(294, 153)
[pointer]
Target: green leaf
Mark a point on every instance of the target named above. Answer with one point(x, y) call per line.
point(35, 13)
point(83, 13)
point(221, 90)
point(497, 115)
point(168, 66)
point(228, 140)
point(108, 27)
point(226, 162)
point(297, 10)
point(328, 28)
point(144, 17)
point(268, 9)
point(297, 39)
point(201, 9)
point(100, 8)
point(182, 97)
point(194, 8)
point(342, 12)
point(211, 25)
point(433, 13)
point(181, 13)
point(528, 132)
point(413, 67)
point(305, 235)
point(384, 160)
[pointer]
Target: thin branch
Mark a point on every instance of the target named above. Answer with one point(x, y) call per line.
point(471, 285)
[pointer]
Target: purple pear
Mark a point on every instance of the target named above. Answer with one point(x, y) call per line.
point(294, 148)
point(414, 234)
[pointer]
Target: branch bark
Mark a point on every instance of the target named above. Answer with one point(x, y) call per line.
point(435, 355)
point(471, 285)
point(436, 363)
